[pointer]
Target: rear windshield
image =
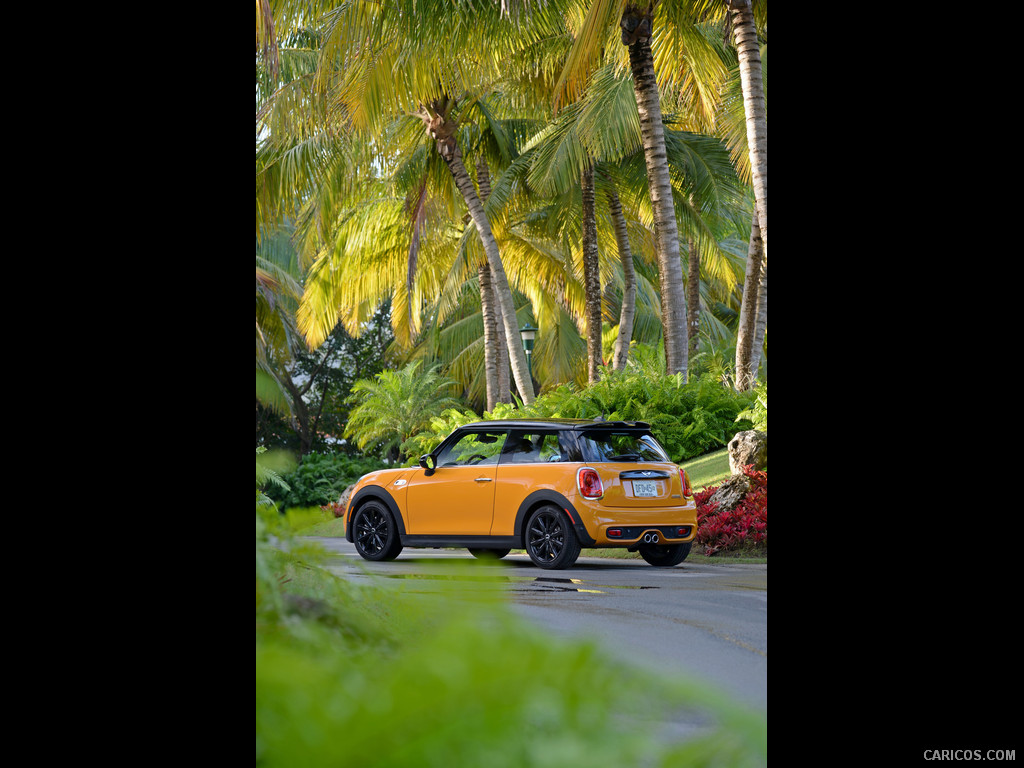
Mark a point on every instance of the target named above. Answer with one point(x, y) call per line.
point(621, 446)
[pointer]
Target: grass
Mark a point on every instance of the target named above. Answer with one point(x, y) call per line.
point(709, 469)
point(704, 471)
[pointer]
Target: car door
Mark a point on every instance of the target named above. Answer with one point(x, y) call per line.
point(457, 498)
point(533, 460)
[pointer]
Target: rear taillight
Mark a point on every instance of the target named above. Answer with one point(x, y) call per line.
point(685, 479)
point(589, 483)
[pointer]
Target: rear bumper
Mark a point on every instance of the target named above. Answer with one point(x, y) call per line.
point(623, 527)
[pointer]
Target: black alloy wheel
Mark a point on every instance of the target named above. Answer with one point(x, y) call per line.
point(665, 556)
point(550, 540)
point(375, 534)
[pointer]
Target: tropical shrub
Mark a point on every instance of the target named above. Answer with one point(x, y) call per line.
point(396, 405)
point(758, 412)
point(320, 479)
point(743, 528)
point(689, 420)
point(439, 428)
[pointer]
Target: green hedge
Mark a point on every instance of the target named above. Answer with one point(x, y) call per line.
point(689, 420)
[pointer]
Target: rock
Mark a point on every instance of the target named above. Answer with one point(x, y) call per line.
point(750, 447)
point(343, 499)
point(730, 493)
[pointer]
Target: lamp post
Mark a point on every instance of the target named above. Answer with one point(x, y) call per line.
point(528, 334)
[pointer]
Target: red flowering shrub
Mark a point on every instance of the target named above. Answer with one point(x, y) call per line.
point(338, 510)
point(743, 528)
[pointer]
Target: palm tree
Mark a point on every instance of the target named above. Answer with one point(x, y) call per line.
point(591, 275)
point(685, 67)
point(376, 64)
point(746, 368)
point(439, 120)
point(403, 71)
point(637, 30)
point(394, 406)
point(636, 22)
point(624, 335)
point(277, 292)
point(496, 362)
point(751, 75)
point(755, 106)
point(603, 126)
point(761, 324)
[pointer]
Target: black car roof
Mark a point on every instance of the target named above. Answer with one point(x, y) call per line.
point(573, 424)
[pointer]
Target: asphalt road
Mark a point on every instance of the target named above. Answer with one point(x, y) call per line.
point(708, 622)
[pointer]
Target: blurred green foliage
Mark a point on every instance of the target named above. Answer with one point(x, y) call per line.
point(375, 675)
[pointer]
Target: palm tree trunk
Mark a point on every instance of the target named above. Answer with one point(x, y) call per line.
point(745, 372)
point(636, 33)
point(628, 310)
point(490, 334)
point(754, 106)
point(591, 276)
point(495, 349)
point(442, 131)
point(761, 326)
point(693, 299)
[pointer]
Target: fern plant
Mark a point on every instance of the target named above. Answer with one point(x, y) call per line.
point(266, 477)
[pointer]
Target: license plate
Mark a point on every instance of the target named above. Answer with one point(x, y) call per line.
point(645, 488)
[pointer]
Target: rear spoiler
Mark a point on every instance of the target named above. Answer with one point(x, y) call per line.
point(616, 426)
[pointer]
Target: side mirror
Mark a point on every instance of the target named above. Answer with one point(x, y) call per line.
point(427, 462)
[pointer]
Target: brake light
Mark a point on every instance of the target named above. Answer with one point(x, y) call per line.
point(589, 483)
point(685, 479)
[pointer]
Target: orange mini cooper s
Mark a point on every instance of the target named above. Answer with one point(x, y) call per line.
point(549, 486)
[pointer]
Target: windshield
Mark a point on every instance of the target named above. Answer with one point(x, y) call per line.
point(621, 446)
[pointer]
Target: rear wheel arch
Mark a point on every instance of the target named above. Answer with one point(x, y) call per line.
point(545, 497)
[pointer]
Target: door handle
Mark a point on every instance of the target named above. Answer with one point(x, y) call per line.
point(483, 480)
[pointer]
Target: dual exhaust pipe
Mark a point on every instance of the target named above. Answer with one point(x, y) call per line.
point(651, 538)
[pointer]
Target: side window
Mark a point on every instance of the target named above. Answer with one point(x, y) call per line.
point(471, 449)
point(532, 447)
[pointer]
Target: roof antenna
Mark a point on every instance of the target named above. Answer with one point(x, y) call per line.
point(599, 418)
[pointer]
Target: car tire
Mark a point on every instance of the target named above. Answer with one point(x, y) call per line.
point(375, 533)
point(665, 556)
point(489, 554)
point(550, 539)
